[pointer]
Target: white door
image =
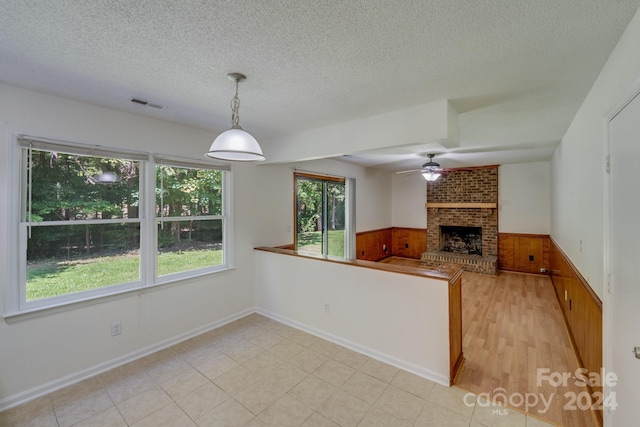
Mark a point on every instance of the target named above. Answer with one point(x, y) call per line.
point(624, 261)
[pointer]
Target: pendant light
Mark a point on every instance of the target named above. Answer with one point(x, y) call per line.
point(235, 145)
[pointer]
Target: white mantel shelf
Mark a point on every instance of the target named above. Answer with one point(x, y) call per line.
point(462, 205)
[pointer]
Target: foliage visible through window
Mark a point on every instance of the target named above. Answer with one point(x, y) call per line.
point(84, 234)
point(320, 215)
point(87, 218)
point(190, 223)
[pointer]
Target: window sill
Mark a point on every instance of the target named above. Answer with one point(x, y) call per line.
point(32, 313)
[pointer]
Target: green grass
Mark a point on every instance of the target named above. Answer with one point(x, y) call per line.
point(54, 277)
point(312, 242)
point(175, 262)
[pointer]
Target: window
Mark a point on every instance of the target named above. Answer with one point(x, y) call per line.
point(189, 214)
point(88, 225)
point(323, 215)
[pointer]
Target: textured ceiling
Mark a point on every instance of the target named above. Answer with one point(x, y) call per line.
point(516, 71)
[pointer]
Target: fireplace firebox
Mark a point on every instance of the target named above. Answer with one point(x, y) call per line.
point(461, 240)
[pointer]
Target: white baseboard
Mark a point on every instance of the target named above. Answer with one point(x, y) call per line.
point(41, 390)
point(374, 354)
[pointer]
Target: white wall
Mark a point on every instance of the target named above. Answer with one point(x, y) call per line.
point(397, 318)
point(577, 167)
point(524, 198)
point(40, 352)
point(408, 198)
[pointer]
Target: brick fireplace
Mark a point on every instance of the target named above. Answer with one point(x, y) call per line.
point(464, 198)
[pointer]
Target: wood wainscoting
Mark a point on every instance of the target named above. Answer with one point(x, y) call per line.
point(375, 245)
point(524, 253)
point(582, 310)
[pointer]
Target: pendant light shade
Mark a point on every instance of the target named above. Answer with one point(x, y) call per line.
point(235, 145)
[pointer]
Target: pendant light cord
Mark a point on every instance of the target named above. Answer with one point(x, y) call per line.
point(235, 106)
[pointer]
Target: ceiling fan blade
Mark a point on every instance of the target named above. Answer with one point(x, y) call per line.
point(409, 171)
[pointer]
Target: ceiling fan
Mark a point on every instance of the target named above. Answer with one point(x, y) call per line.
point(431, 170)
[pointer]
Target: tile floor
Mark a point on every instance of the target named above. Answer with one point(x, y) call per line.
point(258, 372)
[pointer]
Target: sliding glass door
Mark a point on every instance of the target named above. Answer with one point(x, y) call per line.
point(321, 215)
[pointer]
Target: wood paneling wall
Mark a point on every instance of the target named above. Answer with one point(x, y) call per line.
point(408, 242)
point(455, 325)
point(582, 310)
point(375, 245)
point(371, 245)
point(525, 253)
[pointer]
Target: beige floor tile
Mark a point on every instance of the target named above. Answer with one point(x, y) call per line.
point(227, 414)
point(453, 398)
point(379, 370)
point(38, 412)
point(282, 378)
point(266, 339)
point(184, 383)
point(74, 391)
point(167, 366)
point(257, 398)
point(325, 347)
point(286, 412)
point(379, 418)
point(262, 361)
point(125, 382)
point(400, 404)
point(197, 353)
point(83, 407)
point(344, 409)
point(202, 400)
point(351, 358)
point(217, 366)
point(303, 338)
point(308, 360)
point(364, 387)
point(437, 416)
point(312, 391)
point(236, 379)
point(241, 350)
point(414, 384)
point(286, 349)
point(108, 418)
point(334, 373)
point(143, 404)
point(256, 422)
point(282, 329)
point(317, 420)
point(169, 416)
point(490, 414)
point(267, 389)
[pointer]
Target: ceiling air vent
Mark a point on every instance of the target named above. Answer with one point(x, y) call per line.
point(147, 103)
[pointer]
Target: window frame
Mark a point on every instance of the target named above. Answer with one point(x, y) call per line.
point(16, 306)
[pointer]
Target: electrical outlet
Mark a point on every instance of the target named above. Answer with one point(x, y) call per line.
point(116, 329)
point(327, 307)
point(531, 257)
